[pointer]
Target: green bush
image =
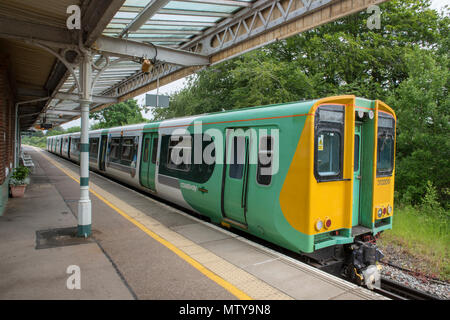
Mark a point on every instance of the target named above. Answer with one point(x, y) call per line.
point(19, 175)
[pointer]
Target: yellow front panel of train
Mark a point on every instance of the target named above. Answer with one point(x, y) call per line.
point(303, 200)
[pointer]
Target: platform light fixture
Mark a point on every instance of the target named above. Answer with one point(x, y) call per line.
point(146, 65)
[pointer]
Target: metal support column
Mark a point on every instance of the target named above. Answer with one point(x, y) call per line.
point(84, 204)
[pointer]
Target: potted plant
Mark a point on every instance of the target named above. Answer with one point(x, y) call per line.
point(18, 182)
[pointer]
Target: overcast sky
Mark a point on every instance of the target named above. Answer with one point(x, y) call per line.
point(179, 84)
point(437, 4)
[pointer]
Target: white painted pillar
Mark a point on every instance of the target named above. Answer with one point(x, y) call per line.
point(84, 204)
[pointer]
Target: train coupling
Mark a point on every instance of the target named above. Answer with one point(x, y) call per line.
point(366, 269)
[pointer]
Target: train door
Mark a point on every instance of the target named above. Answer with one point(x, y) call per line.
point(102, 156)
point(356, 175)
point(235, 180)
point(148, 160)
point(68, 147)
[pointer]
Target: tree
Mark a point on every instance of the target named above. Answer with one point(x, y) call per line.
point(422, 106)
point(73, 129)
point(119, 114)
point(55, 131)
point(355, 60)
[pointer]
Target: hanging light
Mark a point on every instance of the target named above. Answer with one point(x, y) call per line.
point(146, 65)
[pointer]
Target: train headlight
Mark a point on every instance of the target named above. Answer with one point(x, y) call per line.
point(361, 114)
point(371, 114)
point(319, 225)
point(389, 209)
point(380, 213)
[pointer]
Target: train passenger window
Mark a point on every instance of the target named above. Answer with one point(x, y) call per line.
point(179, 155)
point(65, 144)
point(127, 149)
point(154, 149)
point(114, 152)
point(356, 161)
point(146, 148)
point(385, 145)
point(385, 154)
point(328, 153)
point(204, 170)
point(237, 157)
point(265, 154)
point(190, 171)
point(93, 148)
point(75, 146)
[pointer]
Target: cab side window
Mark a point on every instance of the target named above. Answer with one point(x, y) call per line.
point(265, 155)
point(385, 145)
point(329, 142)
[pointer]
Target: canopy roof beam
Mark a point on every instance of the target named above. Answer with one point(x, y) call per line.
point(63, 112)
point(76, 97)
point(134, 49)
point(57, 37)
point(149, 11)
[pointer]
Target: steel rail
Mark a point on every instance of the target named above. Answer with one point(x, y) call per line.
point(398, 291)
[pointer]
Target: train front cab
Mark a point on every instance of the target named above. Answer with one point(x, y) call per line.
point(340, 187)
point(345, 178)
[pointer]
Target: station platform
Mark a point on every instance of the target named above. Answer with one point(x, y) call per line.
point(140, 248)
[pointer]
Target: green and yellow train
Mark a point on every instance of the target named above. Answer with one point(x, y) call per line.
point(315, 177)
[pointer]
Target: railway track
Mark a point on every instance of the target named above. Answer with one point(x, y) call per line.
point(397, 291)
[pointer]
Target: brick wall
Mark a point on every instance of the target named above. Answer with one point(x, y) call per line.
point(7, 123)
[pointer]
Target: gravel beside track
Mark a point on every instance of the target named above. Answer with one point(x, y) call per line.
point(414, 274)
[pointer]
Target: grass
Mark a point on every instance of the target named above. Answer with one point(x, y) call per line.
point(424, 234)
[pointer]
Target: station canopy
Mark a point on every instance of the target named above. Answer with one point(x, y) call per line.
point(177, 38)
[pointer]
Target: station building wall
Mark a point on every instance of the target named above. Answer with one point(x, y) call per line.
point(7, 133)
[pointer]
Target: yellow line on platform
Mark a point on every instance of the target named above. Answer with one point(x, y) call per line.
point(220, 281)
